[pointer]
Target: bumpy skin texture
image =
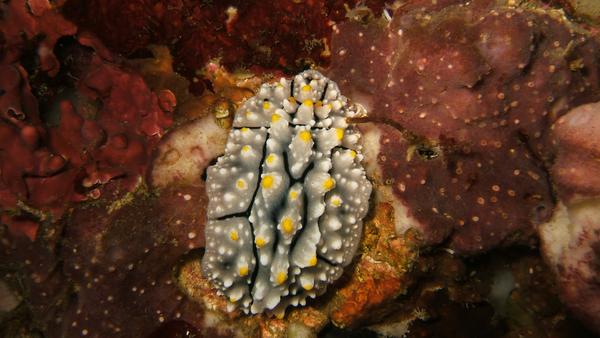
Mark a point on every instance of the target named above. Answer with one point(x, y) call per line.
point(287, 199)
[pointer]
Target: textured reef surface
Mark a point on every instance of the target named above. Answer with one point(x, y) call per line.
point(481, 146)
point(287, 199)
point(462, 100)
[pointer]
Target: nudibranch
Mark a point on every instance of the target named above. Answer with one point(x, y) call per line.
point(287, 198)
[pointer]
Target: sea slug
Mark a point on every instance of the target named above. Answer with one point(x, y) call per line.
point(287, 199)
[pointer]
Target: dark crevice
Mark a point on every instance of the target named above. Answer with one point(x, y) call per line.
point(205, 171)
point(246, 214)
point(248, 211)
point(251, 128)
point(324, 91)
point(326, 260)
point(292, 88)
point(339, 148)
point(319, 220)
point(289, 123)
point(275, 215)
point(303, 220)
point(302, 178)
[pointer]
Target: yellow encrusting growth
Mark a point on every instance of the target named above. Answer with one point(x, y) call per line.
point(287, 225)
point(281, 277)
point(312, 261)
point(305, 136)
point(267, 182)
point(233, 234)
point(328, 184)
point(243, 270)
point(260, 242)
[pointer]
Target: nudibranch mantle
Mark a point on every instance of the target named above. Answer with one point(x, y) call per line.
point(287, 198)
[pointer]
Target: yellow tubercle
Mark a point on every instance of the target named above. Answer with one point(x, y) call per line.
point(281, 277)
point(352, 153)
point(243, 271)
point(305, 136)
point(267, 182)
point(293, 195)
point(260, 242)
point(336, 201)
point(266, 105)
point(249, 114)
point(233, 299)
point(233, 234)
point(307, 287)
point(275, 118)
point(306, 88)
point(245, 130)
point(308, 103)
point(271, 159)
point(328, 184)
point(312, 261)
point(287, 225)
point(246, 148)
point(241, 184)
point(339, 133)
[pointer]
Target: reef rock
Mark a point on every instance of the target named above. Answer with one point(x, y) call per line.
point(462, 96)
point(571, 239)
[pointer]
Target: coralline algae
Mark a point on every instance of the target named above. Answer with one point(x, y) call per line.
point(287, 199)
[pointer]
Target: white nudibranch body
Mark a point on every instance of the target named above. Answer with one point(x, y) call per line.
point(287, 199)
